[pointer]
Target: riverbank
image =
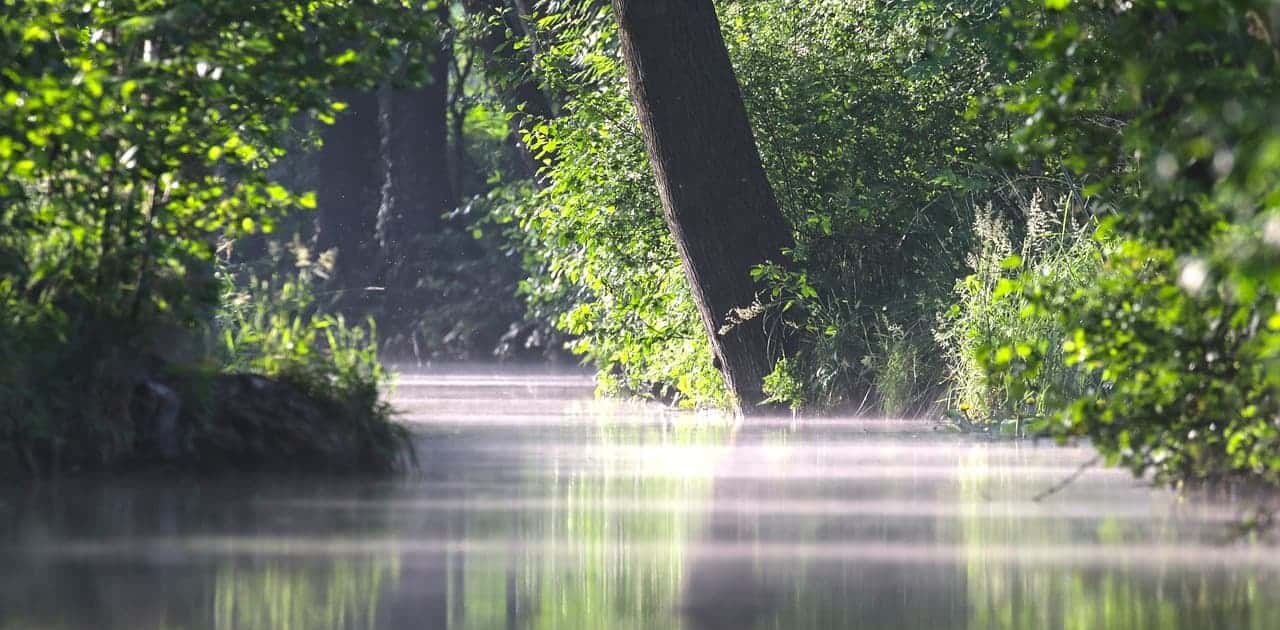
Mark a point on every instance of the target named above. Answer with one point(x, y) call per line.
point(226, 423)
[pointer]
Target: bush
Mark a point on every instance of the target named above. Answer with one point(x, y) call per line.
point(134, 138)
point(1167, 111)
point(269, 326)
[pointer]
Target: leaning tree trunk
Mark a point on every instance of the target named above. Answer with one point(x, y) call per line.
point(717, 201)
point(347, 192)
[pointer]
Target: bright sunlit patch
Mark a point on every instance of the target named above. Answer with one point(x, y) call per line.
point(1194, 275)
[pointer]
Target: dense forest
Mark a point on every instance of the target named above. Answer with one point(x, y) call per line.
point(1053, 217)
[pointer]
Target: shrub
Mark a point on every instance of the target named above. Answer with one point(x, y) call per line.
point(269, 326)
point(1167, 111)
point(133, 137)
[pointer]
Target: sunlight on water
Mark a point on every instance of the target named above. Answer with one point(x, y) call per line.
point(538, 507)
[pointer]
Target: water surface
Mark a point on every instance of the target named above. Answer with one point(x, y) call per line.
point(538, 507)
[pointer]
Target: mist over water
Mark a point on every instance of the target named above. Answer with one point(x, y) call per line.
point(536, 506)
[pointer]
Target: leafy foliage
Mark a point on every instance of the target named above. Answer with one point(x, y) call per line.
point(269, 324)
point(1059, 210)
point(133, 136)
point(865, 141)
point(1164, 112)
point(1121, 253)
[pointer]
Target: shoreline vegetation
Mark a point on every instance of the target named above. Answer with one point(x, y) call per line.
point(1062, 215)
point(137, 147)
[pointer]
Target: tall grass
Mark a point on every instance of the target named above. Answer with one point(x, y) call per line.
point(990, 312)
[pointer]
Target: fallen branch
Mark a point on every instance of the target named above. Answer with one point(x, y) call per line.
point(1058, 487)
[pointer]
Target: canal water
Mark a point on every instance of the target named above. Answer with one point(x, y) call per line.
point(537, 507)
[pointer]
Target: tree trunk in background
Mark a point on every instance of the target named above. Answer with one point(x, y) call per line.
point(717, 201)
point(510, 71)
point(417, 189)
point(347, 192)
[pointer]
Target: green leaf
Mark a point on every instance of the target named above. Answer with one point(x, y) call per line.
point(277, 193)
point(347, 57)
point(36, 33)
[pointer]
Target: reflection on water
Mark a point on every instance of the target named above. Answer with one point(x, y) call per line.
point(539, 508)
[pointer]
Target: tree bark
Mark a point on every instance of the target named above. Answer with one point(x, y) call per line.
point(347, 191)
point(716, 199)
point(417, 189)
